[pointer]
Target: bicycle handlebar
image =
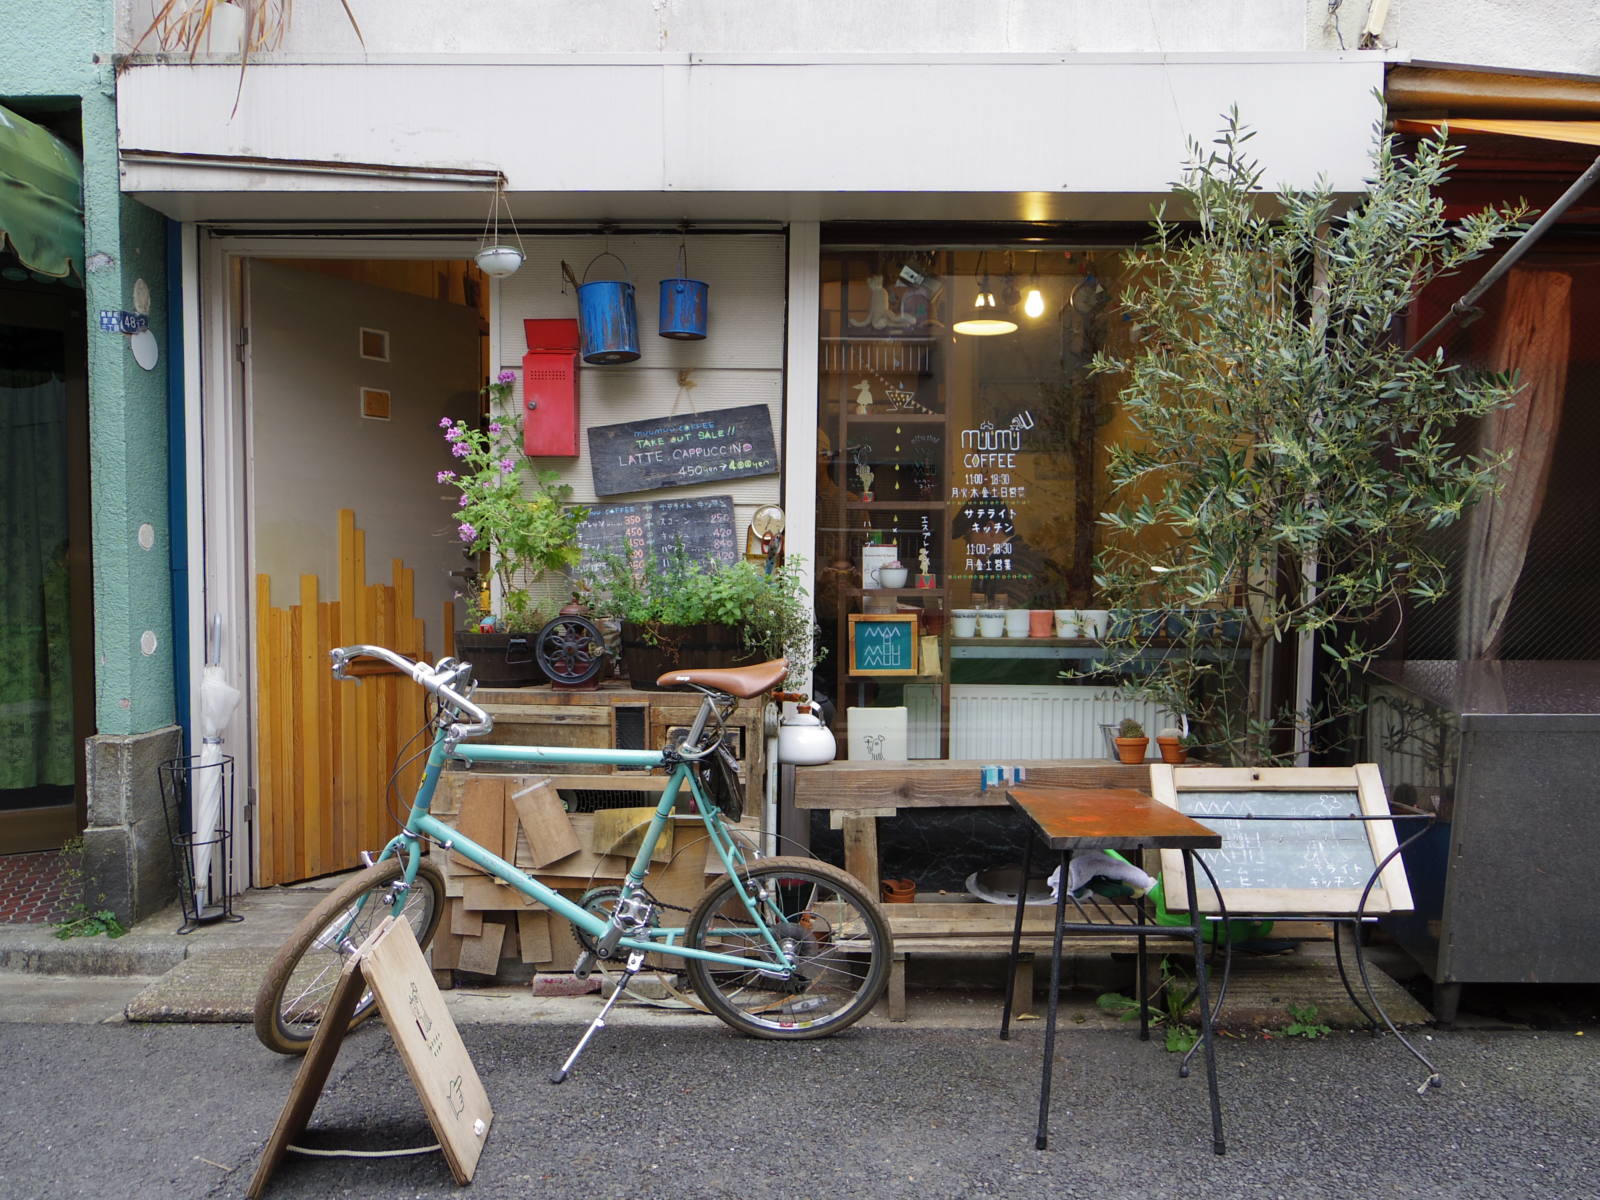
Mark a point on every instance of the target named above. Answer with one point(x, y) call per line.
point(441, 680)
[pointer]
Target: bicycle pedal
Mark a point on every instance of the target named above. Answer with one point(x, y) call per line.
point(584, 966)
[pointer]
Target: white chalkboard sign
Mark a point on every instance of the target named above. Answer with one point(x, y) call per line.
point(1312, 863)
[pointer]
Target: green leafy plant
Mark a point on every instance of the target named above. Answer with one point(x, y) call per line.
point(1290, 464)
point(84, 921)
point(1304, 1023)
point(1170, 1005)
point(772, 610)
point(525, 534)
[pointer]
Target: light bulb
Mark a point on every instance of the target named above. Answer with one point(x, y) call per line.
point(1034, 304)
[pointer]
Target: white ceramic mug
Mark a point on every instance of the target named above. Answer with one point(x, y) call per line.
point(991, 624)
point(1016, 622)
point(1066, 622)
point(889, 577)
point(1092, 622)
point(964, 622)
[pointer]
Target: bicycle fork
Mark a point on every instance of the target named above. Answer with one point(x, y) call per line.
point(635, 961)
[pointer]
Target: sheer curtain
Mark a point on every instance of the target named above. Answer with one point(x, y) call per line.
point(36, 743)
point(1533, 338)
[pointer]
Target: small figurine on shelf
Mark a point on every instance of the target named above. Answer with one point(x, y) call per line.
point(879, 314)
point(866, 473)
point(924, 574)
point(863, 398)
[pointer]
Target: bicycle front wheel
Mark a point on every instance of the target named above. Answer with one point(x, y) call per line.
point(300, 981)
point(835, 934)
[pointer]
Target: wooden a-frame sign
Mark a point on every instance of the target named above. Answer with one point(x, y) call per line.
point(391, 965)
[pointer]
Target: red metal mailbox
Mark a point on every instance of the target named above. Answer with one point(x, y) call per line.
point(550, 388)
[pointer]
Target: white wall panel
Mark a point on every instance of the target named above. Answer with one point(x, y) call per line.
point(746, 307)
point(739, 363)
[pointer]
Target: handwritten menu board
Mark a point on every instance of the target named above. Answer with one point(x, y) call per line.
point(677, 451)
point(703, 525)
point(1284, 854)
point(1294, 839)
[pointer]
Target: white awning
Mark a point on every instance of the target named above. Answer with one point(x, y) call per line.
point(1060, 137)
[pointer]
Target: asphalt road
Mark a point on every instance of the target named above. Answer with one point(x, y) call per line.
point(689, 1110)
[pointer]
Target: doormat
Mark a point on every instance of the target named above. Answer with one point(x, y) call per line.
point(33, 889)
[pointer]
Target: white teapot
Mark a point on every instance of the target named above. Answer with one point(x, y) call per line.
point(804, 740)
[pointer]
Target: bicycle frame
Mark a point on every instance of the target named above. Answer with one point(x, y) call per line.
point(422, 824)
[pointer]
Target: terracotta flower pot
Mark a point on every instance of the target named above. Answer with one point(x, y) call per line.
point(1131, 750)
point(898, 891)
point(1172, 750)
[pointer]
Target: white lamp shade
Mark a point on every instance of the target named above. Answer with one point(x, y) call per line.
point(498, 261)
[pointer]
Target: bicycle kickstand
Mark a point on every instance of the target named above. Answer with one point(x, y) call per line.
point(635, 961)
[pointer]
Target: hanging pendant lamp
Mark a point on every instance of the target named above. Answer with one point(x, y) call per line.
point(494, 257)
point(986, 319)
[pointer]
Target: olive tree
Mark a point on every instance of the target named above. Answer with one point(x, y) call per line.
point(1290, 462)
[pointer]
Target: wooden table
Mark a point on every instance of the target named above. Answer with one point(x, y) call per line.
point(1095, 819)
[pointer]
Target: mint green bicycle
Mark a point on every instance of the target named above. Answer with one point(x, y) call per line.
point(778, 947)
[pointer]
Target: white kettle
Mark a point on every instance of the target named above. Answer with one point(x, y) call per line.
point(804, 740)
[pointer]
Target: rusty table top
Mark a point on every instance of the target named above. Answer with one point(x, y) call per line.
point(1108, 819)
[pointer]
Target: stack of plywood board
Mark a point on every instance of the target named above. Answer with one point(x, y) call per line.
point(522, 819)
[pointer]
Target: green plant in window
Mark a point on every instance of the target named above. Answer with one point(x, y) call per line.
point(1290, 464)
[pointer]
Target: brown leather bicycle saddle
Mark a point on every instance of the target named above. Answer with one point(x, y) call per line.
point(743, 682)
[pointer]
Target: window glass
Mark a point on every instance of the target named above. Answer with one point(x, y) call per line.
point(960, 474)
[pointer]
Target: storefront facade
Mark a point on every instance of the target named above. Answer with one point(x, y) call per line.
point(790, 187)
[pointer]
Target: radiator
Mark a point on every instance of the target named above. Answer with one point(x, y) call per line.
point(989, 722)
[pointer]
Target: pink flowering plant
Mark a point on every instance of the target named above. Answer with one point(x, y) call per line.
point(525, 534)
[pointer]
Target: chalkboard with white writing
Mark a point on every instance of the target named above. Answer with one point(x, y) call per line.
point(1284, 854)
point(1294, 839)
point(679, 451)
point(652, 529)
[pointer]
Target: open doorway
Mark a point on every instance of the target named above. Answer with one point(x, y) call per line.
point(351, 366)
point(46, 622)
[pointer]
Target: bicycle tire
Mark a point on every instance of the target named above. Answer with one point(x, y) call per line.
point(826, 920)
point(303, 972)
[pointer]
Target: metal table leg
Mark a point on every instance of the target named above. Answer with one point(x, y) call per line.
point(1197, 925)
point(1016, 941)
point(1042, 1137)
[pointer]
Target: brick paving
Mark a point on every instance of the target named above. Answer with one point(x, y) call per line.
point(33, 889)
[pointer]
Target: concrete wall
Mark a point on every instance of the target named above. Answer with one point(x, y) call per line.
point(1535, 35)
point(1527, 35)
point(509, 27)
point(63, 52)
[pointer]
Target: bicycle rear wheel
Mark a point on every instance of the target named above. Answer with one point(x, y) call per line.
point(836, 934)
point(292, 997)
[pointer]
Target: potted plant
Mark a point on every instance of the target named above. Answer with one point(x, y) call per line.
point(1131, 741)
point(1173, 745)
point(525, 534)
point(676, 613)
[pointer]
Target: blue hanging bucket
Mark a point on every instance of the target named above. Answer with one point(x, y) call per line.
point(608, 320)
point(683, 306)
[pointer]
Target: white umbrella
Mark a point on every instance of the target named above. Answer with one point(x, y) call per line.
point(218, 699)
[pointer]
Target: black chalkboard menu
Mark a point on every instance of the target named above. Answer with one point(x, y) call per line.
point(702, 525)
point(677, 451)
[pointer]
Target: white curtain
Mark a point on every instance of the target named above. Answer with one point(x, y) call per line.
point(1534, 339)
